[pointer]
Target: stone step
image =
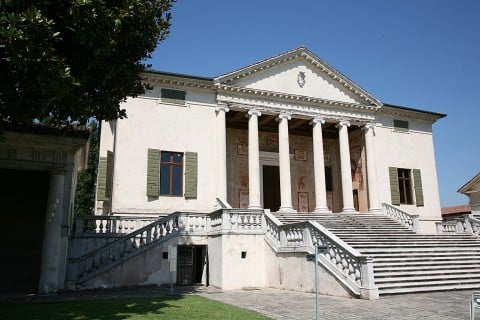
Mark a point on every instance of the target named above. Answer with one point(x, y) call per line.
point(427, 267)
point(404, 261)
point(446, 273)
point(429, 288)
point(417, 247)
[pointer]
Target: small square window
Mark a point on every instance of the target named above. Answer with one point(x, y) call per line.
point(400, 125)
point(173, 96)
point(244, 254)
point(165, 255)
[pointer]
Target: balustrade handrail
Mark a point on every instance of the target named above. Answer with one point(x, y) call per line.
point(347, 264)
point(407, 219)
point(125, 237)
point(102, 225)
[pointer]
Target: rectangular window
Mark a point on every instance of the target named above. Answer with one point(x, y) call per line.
point(405, 186)
point(173, 96)
point(171, 173)
point(400, 125)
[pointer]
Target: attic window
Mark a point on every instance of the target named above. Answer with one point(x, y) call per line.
point(173, 96)
point(400, 125)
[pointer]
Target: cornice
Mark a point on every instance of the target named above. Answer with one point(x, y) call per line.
point(311, 58)
point(398, 111)
point(305, 111)
point(179, 80)
point(286, 97)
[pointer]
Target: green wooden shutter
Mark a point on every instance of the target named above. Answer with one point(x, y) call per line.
point(102, 179)
point(153, 173)
point(417, 181)
point(108, 189)
point(191, 173)
point(394, 190)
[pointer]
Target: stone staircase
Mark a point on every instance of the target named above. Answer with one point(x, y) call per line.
point(404, 261)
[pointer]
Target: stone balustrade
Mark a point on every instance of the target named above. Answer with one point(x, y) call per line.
point(411, 221)
point(465, 224)
point(107, 225)
point(348, 265)
point(237, 221)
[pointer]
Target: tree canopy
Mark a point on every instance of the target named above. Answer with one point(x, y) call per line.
point(70, 60)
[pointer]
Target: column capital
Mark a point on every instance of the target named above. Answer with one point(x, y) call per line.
point(343, 123)
point(284, 115)
point(221, 108)
point(370, 125)
point(317, 120)
point(254, 112)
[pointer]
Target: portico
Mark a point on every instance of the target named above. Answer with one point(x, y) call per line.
point(295, 145)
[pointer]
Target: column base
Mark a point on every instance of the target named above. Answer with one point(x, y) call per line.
point(375, 210)
point(287, 210)
point(322, 210)
point(349, 210)
point(254, 207)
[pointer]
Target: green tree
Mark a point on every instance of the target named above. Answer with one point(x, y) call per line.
point(70, 60)
point(85, 191)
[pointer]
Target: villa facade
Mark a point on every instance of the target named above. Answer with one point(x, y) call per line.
point(289, 134)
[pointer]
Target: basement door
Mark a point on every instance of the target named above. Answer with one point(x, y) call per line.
point(191, 262)
point(271, 188)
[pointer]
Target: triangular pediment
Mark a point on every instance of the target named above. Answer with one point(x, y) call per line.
point(301, 73)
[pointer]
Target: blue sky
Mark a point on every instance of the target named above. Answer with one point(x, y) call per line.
point(423, 54)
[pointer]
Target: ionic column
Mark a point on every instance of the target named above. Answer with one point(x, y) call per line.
point(374, 204)
point(253, 161)
point(221, 153)
point(284, 162)
point(346, 171)
point(50, 265)
point(319, 167)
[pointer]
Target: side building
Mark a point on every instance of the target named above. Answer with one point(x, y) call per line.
point(289, 134)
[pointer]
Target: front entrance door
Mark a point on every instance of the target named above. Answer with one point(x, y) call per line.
point(271, 188)
point(191, 261)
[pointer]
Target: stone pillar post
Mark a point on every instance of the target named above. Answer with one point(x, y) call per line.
point(284, 162)
point(253, 161)
point(51, 250)
point(346, 171)
point(374, 205)
point(221, 153)
point(319, 167)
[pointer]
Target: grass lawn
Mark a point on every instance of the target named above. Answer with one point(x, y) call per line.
point(181, 307)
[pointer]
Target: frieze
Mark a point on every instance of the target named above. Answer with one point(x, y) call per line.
point(27, 153)
point(330, 113)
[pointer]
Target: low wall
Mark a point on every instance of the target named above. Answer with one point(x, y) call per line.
point(292, 271)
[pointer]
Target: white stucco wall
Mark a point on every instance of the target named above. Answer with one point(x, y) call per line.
point(292, 271)
point(410, 150)
point(228, 270)
point(167, 127)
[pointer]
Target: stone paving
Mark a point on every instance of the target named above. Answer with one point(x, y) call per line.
point(281, 304)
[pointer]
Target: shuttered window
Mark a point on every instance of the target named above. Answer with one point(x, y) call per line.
point(165, 173)
point(401, 188)
point(191, 173)
point(173, 96)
